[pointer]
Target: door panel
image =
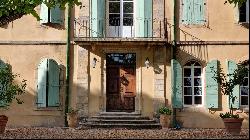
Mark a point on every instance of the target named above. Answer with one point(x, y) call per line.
point(121, 88)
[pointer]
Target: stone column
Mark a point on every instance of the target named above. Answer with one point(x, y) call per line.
point(159, 78)
point(82, 81)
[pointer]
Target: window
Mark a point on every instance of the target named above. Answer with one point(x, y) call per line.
point(121, 18)
point(244, 91)
point(121, 9)
point(192, 84)
point(244, 12)
point(48, 84)
point(193, 12)
point(51, 15)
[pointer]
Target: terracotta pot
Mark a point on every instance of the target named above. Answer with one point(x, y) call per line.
point(3, 122)
point(72, 119)
point(232, 125)
point(164, 120)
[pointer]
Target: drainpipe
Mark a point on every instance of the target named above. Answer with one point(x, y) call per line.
point(174, 53)
point(67, 68)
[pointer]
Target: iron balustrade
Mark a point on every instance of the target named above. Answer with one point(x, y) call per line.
point(136, 28)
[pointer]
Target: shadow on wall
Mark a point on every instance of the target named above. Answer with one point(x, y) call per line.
point(29, 114)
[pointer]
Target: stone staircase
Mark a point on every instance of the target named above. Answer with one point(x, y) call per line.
point(119, 120)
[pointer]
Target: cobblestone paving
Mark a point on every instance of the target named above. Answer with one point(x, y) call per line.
point(118, 133)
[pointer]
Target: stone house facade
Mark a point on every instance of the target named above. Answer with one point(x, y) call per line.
point(127, 56)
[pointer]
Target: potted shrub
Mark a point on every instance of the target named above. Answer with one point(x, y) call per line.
point(231, 121)
point(8, 92)
point(165, 114)
point(72, 118)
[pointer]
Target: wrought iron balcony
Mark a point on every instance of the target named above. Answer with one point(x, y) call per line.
point(87, 29)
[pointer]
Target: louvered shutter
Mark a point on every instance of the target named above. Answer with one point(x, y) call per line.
point(211, 85)
point(53, 83)
point(236, 91)
point(98, 18)
point(44, 13)
point(42, 83)
point(176, 80)
point(143, 18)
point(56, 15)
point(199, 16)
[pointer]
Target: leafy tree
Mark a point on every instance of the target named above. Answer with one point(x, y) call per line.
point(9, 7)
point(227, 84)
point(236, 2)
point(9, 89)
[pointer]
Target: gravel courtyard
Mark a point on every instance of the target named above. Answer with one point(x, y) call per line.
point(118, 133)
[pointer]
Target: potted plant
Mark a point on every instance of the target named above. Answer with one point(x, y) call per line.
point(72, 117)
point(9, 89)
point(165, 114)
point(231, 121)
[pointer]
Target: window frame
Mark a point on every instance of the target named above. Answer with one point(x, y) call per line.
point(204, 24)
point(246, 15)
point(192, 67)
point(245, 106)
point(47, 107)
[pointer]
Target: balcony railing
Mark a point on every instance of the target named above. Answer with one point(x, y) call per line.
point(129, 28)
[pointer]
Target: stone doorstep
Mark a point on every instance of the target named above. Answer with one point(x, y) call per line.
point(119, 114)
point(97, 121)
point(117, 125)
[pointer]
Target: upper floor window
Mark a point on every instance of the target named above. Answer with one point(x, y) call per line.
point(48, 84)
point(51, 15)
point(121, 17)
point(244, 12)
point(192, 83)
point(244, 91)
point(193, 12)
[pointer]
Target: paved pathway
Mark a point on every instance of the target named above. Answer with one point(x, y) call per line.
point(118, 133)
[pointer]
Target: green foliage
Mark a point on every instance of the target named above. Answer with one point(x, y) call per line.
point(165, 110)
point(236, 2)
point(229, 115)
point(8, 7)
point(10, 89)
point(227, 85)
point(71, 110)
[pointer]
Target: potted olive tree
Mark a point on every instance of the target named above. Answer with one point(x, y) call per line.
point(165, 114)
point(72, 117)
point(231, 120)
point(9, 89)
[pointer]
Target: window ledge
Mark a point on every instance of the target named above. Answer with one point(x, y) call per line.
point(49, 109)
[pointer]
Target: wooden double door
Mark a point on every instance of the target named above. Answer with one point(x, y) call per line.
point(121, 88)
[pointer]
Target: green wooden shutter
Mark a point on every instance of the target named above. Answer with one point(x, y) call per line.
point(139, 18)
point(148, 18)
point(2, 65)
point(236, 91)
point(44, 13)
point(187, 11)
point(42, 82)
point(199, 17)
point(98, 18)
point(211, 85)
point(176, 80)
point(56, 15)
point(53, 91)
point(143, 18)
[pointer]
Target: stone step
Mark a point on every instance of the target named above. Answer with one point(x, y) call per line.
point(113, 117)
point(121, 125)
point(119, 114)
point(120, 121)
